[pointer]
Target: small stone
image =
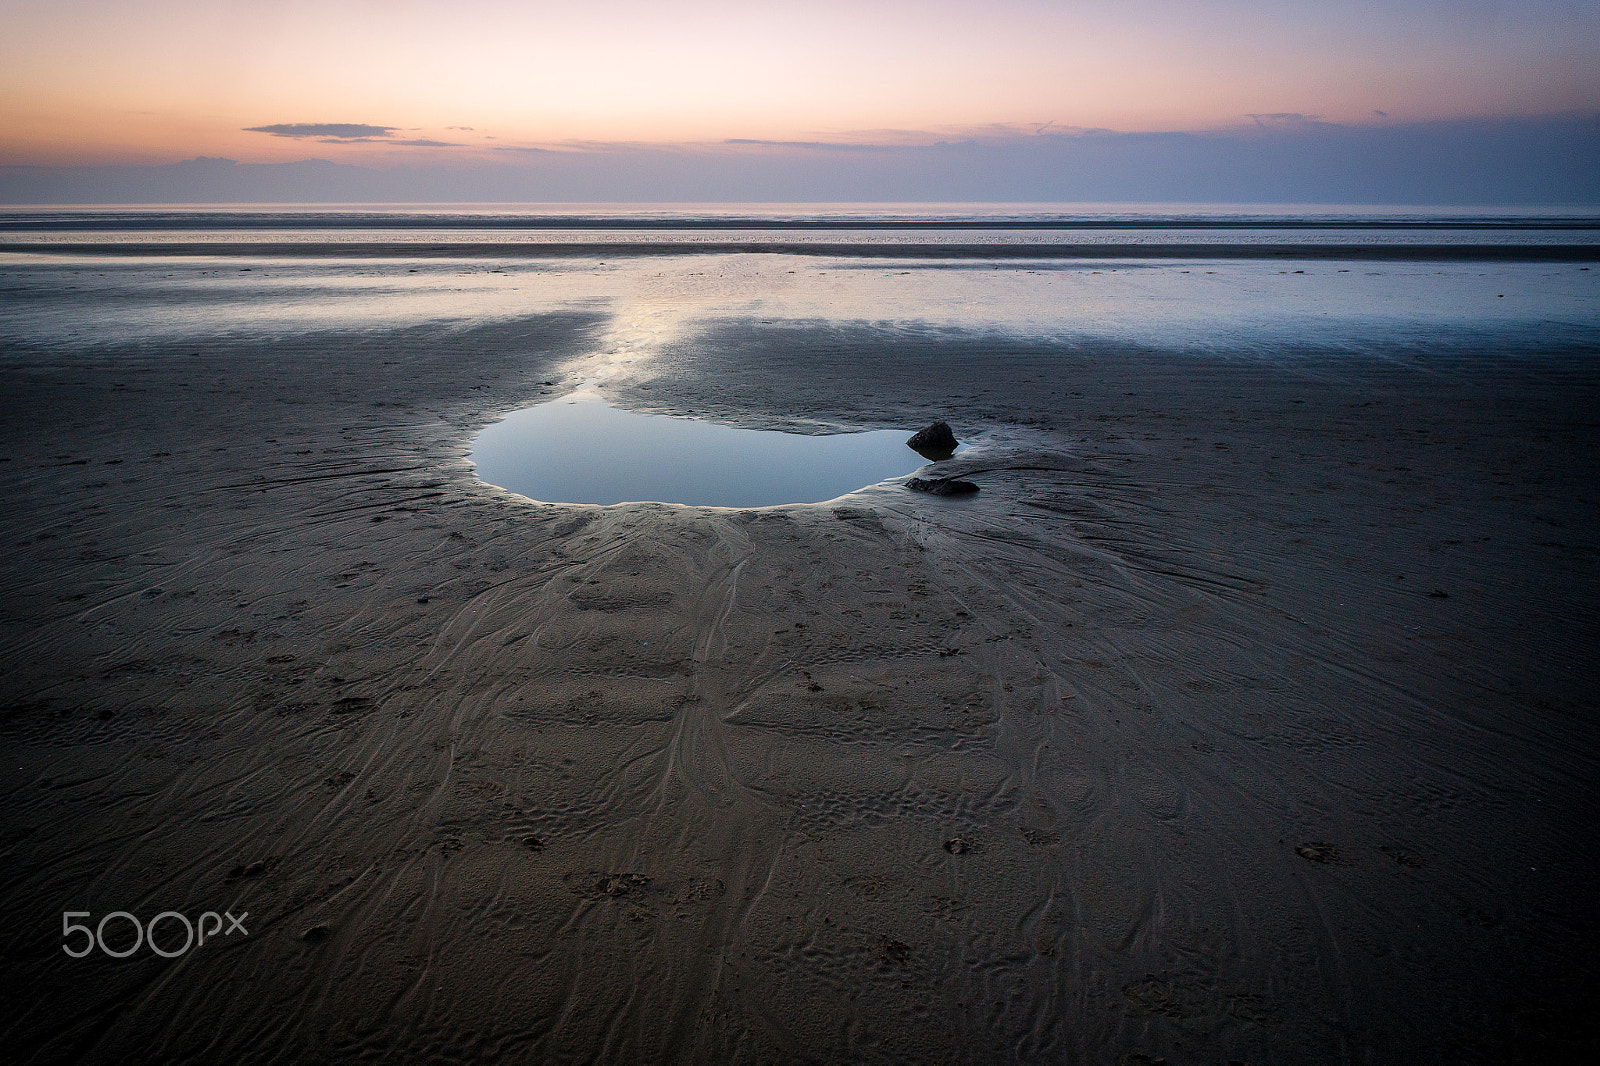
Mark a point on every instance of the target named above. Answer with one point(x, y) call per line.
point(942, 486)
point(533, 843)
point(935, 442)
point(316, 934)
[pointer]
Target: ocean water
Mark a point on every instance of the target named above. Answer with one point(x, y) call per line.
point(1271, 283)
point(994, 224)
point(1258, 281)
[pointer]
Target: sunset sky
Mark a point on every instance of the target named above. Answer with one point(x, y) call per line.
point(418, 82)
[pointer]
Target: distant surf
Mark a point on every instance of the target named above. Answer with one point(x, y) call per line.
point(953, 232)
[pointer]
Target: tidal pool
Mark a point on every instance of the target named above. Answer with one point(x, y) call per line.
point(583, 450)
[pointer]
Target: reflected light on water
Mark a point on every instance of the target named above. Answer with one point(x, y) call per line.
point(583, 450)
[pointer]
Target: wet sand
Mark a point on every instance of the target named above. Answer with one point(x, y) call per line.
point(1247, 714)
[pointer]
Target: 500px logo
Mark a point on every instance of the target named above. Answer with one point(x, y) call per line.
point(143, 934)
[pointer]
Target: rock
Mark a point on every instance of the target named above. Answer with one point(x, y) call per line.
point(942, 486)
point(936, 442)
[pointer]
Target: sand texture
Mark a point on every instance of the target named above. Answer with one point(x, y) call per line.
point(1248, 712)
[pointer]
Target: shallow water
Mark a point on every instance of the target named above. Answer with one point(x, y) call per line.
point(1258, 307)
point(583, 450)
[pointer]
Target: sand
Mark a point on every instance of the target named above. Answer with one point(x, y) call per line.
point(1246, 714)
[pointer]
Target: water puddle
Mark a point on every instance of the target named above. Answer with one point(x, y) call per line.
point(583, 450)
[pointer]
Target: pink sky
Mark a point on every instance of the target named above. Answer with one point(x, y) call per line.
point(90, 81)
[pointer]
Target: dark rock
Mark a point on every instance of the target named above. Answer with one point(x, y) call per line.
point(942, 486)
point(936, 442)
point(316, 934)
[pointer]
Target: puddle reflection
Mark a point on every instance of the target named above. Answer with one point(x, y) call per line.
point(583, 450)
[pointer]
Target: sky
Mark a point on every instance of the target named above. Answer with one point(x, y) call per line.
point(481, 86)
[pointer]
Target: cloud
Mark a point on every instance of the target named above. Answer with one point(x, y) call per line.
point(350, 133)
point(1286, 120)
point(827, 146)
point(1548, 160)
point(334, 131)
point(937, 136)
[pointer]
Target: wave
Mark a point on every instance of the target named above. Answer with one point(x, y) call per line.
point(832, 218)
point(1507, 253)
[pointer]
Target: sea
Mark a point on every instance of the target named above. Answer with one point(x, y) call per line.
point(1253, 280)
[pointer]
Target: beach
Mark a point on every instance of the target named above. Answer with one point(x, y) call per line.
point(1246, 714)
